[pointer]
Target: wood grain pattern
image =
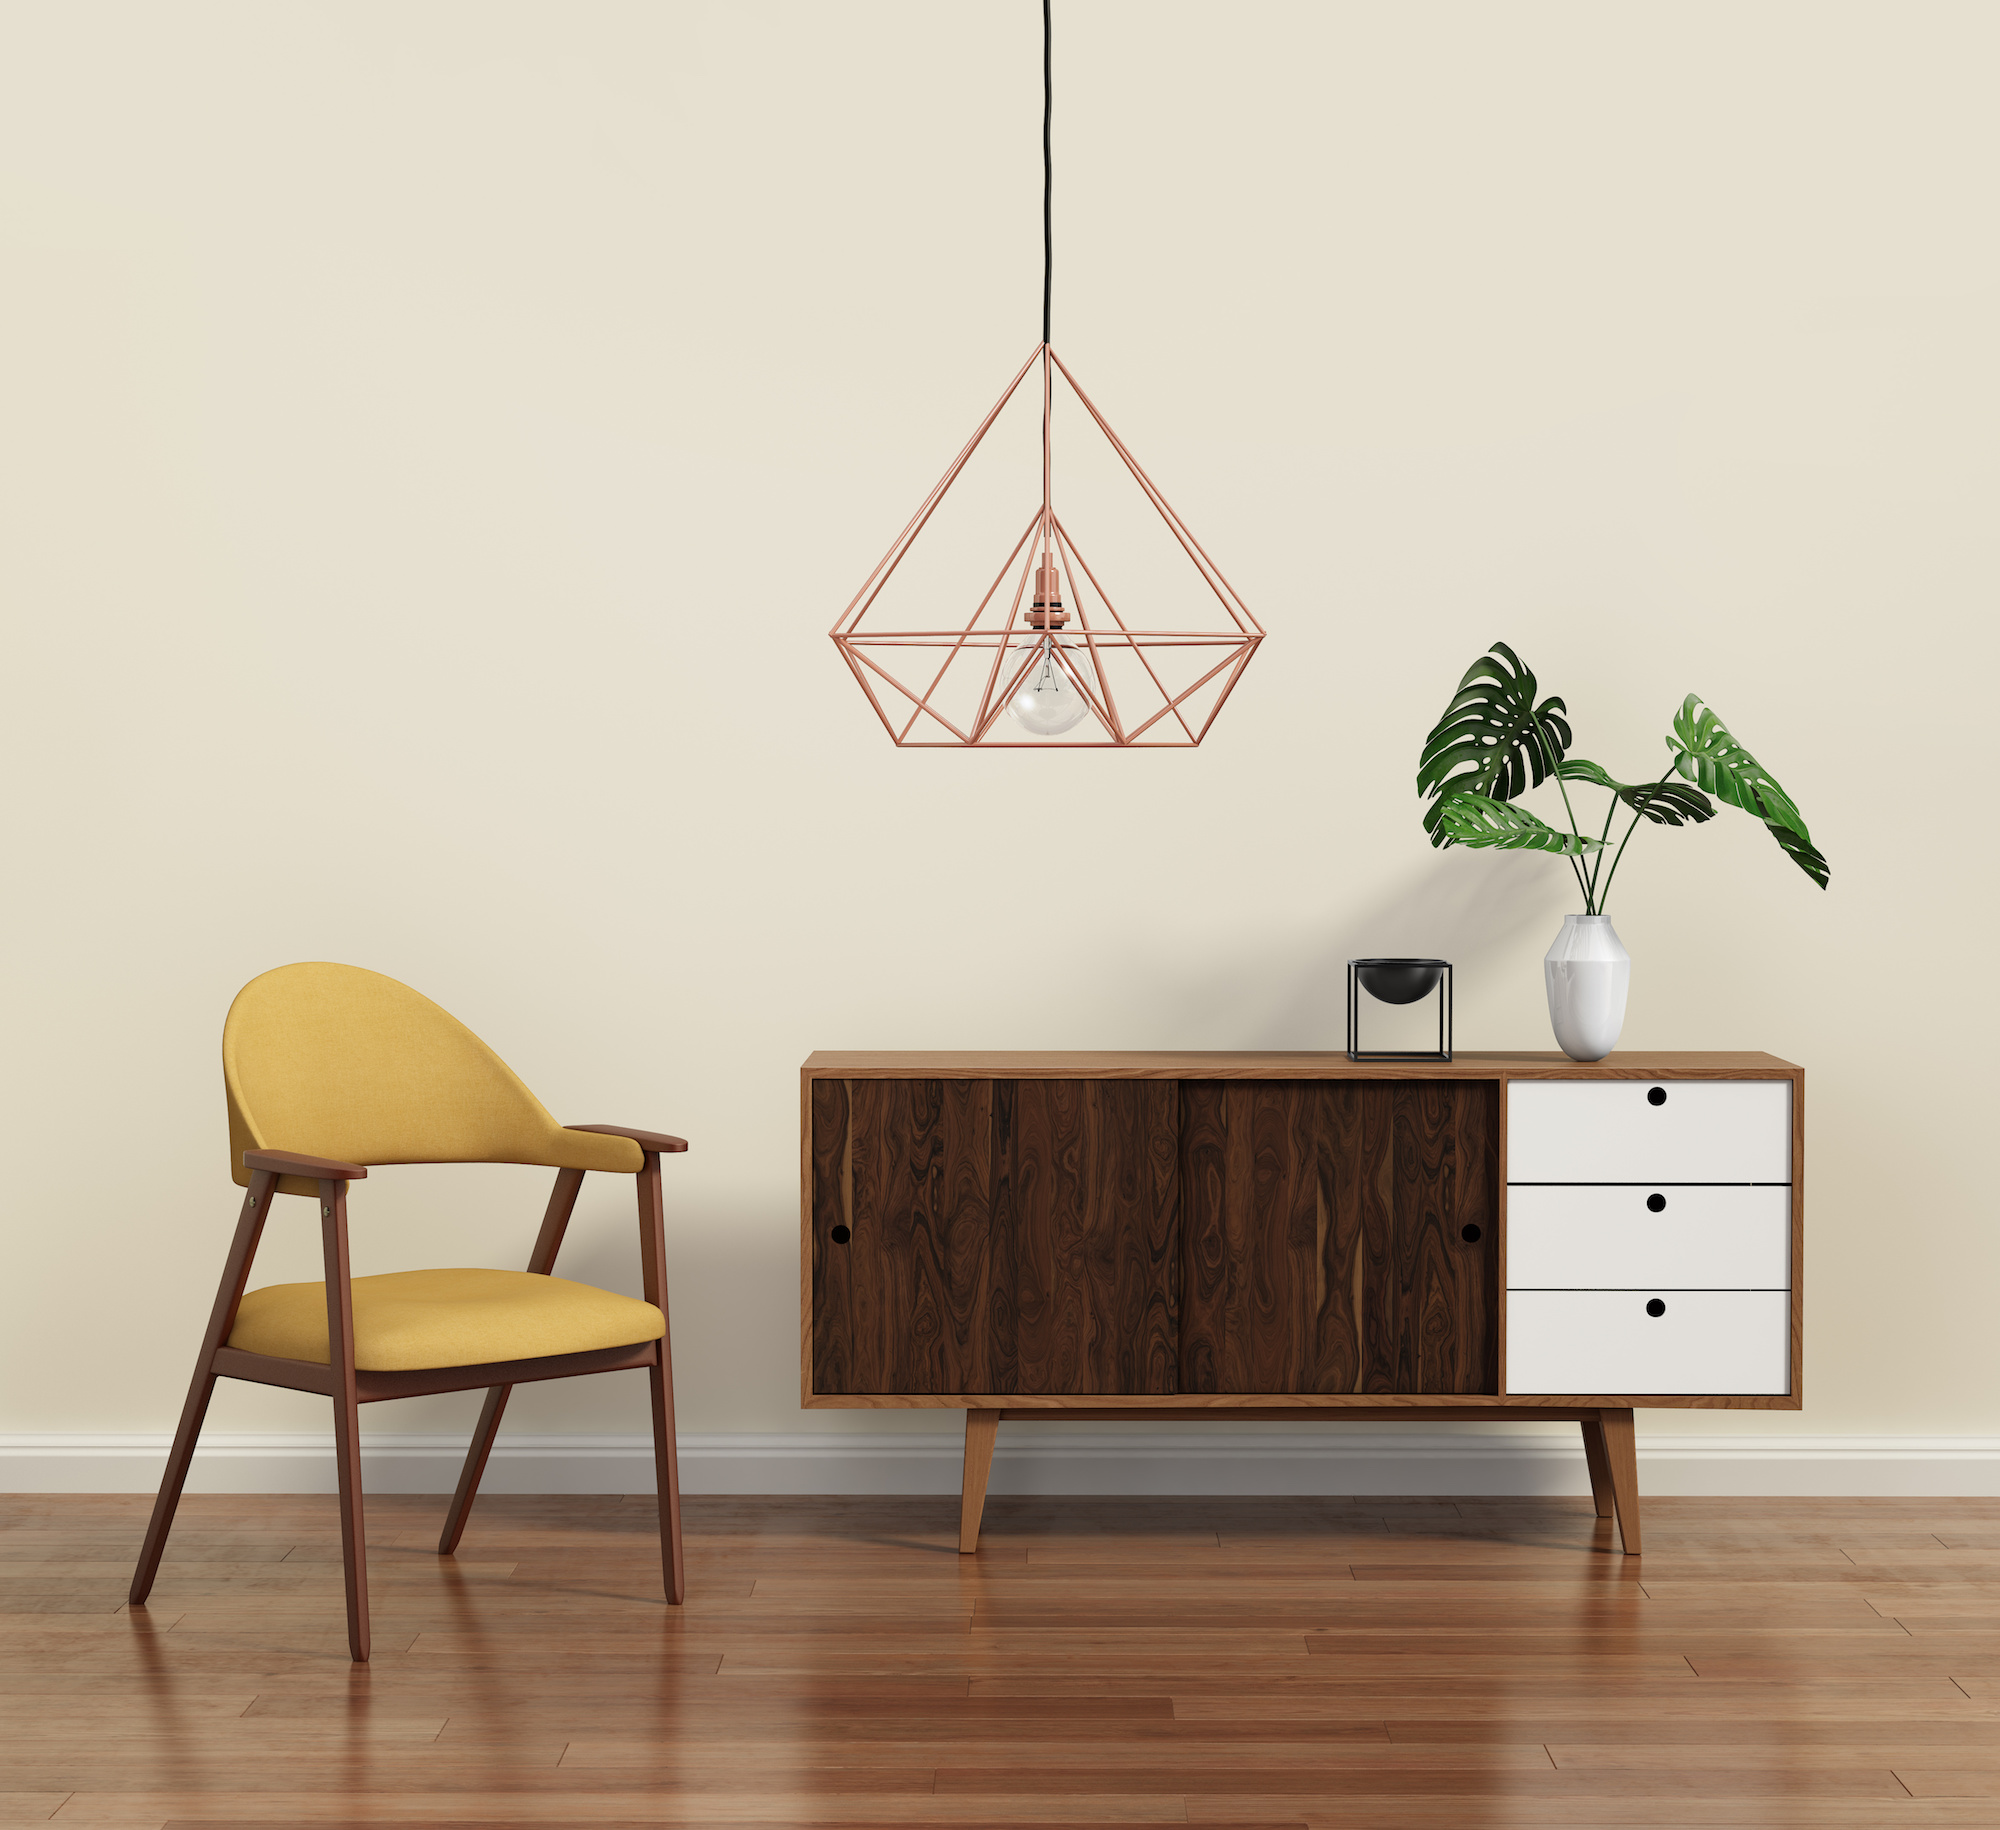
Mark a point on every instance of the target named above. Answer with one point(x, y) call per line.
point(1222, 1402)
point(1087, 1194)
point(981, 1428)
point(1597, 1459)
point(1281, 1064)
point(1408, 1664)
point(1324, 1237)
point(1273, 1257)
point(1017, 1236)
point(827, 1327)
point(910, 1299)
point(1359, 1410)
point(1445, 1304)
point(1621, 1460)
point(1433, 1275)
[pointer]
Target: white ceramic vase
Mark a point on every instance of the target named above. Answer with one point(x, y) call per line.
point(1588, 973)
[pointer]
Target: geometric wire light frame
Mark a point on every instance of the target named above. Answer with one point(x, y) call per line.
point(1151, 715)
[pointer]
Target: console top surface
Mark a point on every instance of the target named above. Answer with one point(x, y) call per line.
point(1279, 1064)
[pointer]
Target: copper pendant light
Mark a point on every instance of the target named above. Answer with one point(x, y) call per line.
point(1025, 679)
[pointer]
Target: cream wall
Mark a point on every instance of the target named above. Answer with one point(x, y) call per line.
point(434, 440)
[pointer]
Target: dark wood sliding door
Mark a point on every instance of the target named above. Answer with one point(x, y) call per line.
point(995, 1236)
point(1339, 1236)
point(1070, 1237)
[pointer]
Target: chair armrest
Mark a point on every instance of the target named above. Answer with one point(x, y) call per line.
point(646, 1140)
point(289, 1163)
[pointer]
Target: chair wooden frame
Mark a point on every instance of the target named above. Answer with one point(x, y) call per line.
point(350, 1387)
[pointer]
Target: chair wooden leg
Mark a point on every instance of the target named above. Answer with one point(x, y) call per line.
point(1622, 1453)
point(981, 1428)
point(666, 1458)
point(469, 1478)
point(222, 1318)
point(1597, 1459)
point(353, 1533)
point(541, 1262)
point(667, 1476)
point(346, 1413)
point(179, 1460)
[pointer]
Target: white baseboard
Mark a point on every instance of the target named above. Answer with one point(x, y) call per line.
point(1070, 1459)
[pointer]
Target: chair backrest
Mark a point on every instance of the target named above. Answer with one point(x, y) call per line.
point(338, 1062)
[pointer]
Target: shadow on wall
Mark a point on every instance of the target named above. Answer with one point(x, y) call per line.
point(1482, 911)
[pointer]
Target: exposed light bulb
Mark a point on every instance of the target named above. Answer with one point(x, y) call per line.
point(1047, 701)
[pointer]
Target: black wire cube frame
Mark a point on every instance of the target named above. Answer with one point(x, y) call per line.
point(1442, 981)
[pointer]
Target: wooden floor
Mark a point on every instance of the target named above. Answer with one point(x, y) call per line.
point(1241, 1662)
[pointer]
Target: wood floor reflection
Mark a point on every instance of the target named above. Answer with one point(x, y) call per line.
point(1369, 1662)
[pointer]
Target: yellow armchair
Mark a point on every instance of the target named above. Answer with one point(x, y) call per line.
point(329, 1070)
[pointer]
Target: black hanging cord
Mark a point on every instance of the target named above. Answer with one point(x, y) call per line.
point(1048, 171)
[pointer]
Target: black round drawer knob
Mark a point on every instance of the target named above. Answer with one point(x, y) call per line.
point(841, 1235)
point(1656, 1096)
point(1655, 1307)
point(1469, 1233)
point(1656, 1204)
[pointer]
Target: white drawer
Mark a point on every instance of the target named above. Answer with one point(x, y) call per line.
point(1602, 1343)
point(1613, 1131)
point(1606, 1237)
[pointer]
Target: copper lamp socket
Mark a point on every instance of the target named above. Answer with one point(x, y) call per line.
point(1047, 611)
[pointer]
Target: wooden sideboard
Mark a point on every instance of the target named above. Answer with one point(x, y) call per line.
point(1499, 1237)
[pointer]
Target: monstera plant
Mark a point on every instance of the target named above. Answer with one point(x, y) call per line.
point(1497, 740)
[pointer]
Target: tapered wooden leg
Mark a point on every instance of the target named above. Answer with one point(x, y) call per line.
point(1599, 1463)
point(179, 1459)
point(346, 1413)
point(222, 1318)
point(1622, 1453)
point(667, 1475)
point(541, 1262)
point(353, 1534)
point(483, 1434)
point(981, 1427)
point(666, 1457)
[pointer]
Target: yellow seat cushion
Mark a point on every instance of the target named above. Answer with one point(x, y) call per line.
point(406, 1320)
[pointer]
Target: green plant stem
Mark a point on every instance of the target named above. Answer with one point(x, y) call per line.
point(1576, 869)
point(1582, 888)
point(1603, 840)
point(1627, 839)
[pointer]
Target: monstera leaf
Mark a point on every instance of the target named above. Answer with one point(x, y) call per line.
point(1706, 753)
point(1801, 853)
point(1664, 803)
point(1493, 741)
point(1476, 819)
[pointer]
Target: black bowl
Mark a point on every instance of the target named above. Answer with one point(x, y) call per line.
point(1399, 981)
